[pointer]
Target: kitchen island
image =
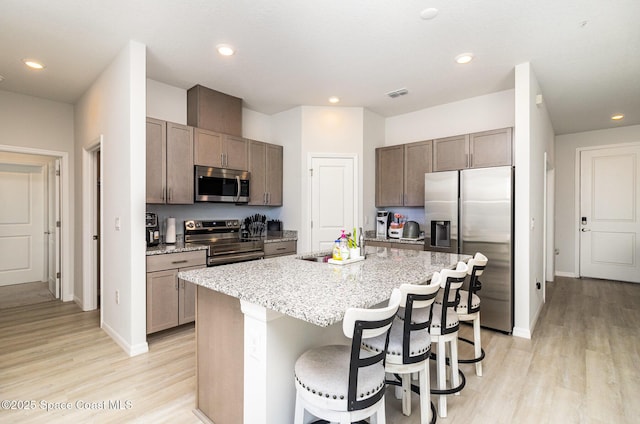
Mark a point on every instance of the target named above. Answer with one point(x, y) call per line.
point(255, 318)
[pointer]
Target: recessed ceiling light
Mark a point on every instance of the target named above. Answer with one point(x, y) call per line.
point(617, 117)
point(334, 99)
point(225, 49)
point(464, 58)
point(429, 13)
point(33, 64)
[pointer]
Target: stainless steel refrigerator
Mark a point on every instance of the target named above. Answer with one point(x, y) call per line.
point(471, 211)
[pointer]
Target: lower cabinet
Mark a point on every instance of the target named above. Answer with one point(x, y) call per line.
point(395, 245)
point(280, 248)
point(170, 300)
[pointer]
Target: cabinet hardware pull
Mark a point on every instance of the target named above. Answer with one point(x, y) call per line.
point(184, 261)
point(281, 248)
point(222, 160)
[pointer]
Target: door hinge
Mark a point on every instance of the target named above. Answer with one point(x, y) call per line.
point(57, 172)
point(58, 275)
point(311, 224)
point(311, 172)
point(58, 224)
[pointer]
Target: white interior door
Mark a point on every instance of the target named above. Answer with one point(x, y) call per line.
point(609, 213)
point(53, 231)
point(21, 224)
point(333, 199)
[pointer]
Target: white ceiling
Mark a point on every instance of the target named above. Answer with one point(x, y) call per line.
point(585, 53)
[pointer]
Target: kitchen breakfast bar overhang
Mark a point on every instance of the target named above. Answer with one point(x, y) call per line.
point(254, 319)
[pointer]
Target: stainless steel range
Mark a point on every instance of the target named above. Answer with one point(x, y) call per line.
point(224, 240)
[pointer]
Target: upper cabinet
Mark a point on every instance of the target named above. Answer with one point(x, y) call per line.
point(214, 111)
point(169, 162)
point(220, 150)
point(265, 166)
point(451, 153)
point(400, 173)
point(478, 150)
point(417, 162)
point(491, 148)
point(389, 175)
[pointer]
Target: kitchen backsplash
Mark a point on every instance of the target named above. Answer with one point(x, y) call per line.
point(205, 211)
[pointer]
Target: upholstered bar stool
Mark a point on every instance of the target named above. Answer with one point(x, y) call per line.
point(468, 309)
point(444, 329)
point(410, 345)
point(343, 384)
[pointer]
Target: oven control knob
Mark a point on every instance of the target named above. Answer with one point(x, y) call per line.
point(189, 225)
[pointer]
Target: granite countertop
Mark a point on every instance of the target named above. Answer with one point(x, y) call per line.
point(280, 236)
point(163, 249)
point(317, 292)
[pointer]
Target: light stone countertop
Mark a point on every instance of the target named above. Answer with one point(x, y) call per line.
point(163, 249)
point(317, 292)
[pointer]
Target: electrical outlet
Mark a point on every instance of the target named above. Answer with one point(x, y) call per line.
point(118, 226)
point(117, 297)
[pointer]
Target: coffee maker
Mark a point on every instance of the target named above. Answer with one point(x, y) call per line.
point(152, 229)
point(382, 223)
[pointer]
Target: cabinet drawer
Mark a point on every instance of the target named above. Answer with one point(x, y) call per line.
point(280, 248)
point(176, 260)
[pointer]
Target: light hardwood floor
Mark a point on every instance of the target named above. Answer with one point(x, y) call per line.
point(580, 367)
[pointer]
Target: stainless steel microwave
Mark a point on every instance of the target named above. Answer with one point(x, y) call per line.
point(221, 185)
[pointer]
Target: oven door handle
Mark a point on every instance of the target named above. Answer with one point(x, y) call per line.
point(237, 188)
point(228, 259)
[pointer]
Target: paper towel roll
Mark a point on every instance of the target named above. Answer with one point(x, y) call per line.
point(170, 235)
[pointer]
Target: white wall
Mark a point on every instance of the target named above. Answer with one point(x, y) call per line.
point(374, 126)
point(533, 137)
point(334, 130)
point(32, 124)
point(565, 150)
point(166, 102)
point(488, 112)
point(114, 106)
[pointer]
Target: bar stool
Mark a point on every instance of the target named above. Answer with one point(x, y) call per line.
point(468, 309)
point(342, 383)
point(444, 329)
point(410, 345)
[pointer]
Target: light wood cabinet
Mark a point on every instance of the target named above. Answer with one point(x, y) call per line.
point(477, 150)
point(394, 245)
point(156, 160)
point(280, 248)
point(400, 173)
point(389, 175)
point(265, 166)
point(219, 150)
point(215, 111)
point(451, 153)
point(491, 148)
point(169, 163)
point(417, 162)
point(170, 300)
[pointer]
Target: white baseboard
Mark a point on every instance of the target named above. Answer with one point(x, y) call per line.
point(131, 350)
point(566, 274)
point(524, 333)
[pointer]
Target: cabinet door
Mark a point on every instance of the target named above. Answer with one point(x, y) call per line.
point(235, 150)
point(187, 299)
point(274, 174)
point(491, 148)
point(258, 169)
point(156, 160)
point(389, 175)
point(451, 153)
point(417, 162)
point(162, 300)
point(179, 164)
point(207, 148)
